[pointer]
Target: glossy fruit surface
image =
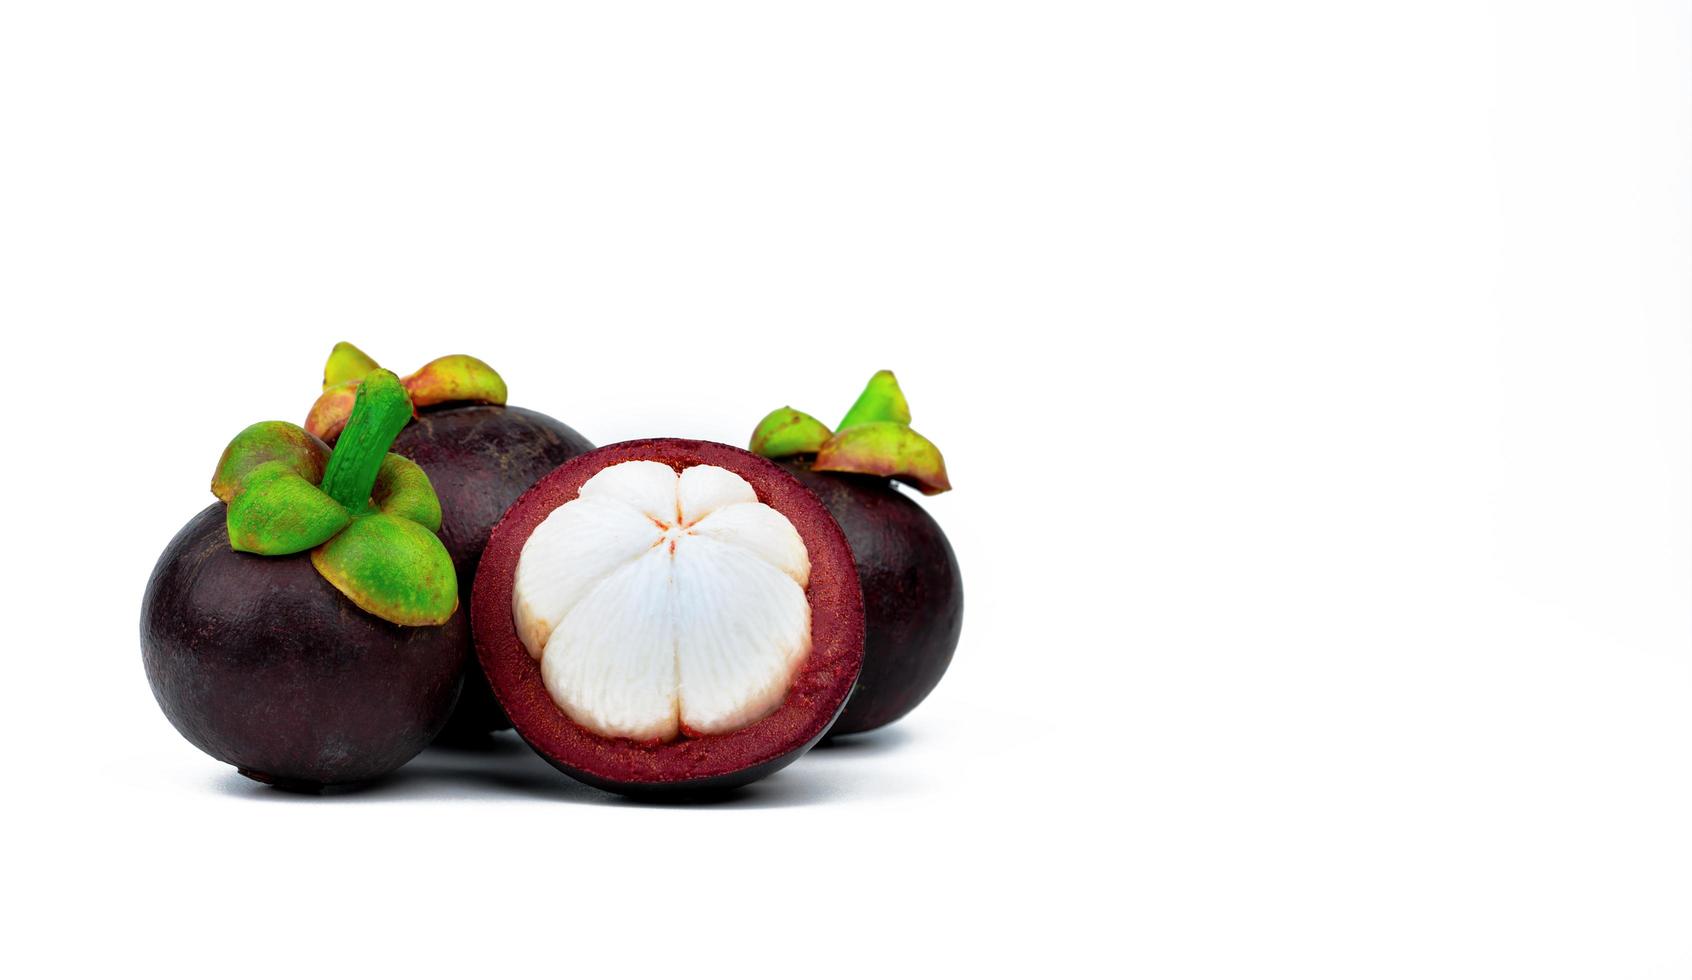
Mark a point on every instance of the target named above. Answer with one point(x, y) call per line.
point(262, 663)
point(913, 593)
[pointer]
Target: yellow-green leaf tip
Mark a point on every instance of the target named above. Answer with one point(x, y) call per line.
point(788, 432)
point(890, 449)
point(874, 438)
point(346, 363)
point(881, 401)
point(453, 378)
point(403, 490)
point(393, 568)
point(265, 442)
point(278, 512)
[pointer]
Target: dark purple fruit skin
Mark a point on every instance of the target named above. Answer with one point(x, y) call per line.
point(913, 593)
point(480, 459)
point(262, 664)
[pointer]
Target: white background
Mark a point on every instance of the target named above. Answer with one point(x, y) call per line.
point(1316, 380)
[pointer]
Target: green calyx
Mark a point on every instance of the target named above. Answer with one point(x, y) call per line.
point(788, 432)
point(453, 378)
point(875, 438)
point(347, 363)
point(886, 449)
point(279, 512)
point(881, 401)
point(264, 442)
point(368, 562)
point(368, 517)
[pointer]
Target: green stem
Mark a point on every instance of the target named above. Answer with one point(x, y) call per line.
point(381, 410)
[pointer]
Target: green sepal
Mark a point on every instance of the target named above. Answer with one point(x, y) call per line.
point(329, 414)
point(881, 401)
point(367, 516)
point(455, 378)
point(265, 442)
point(874, 438)
point(392, 568)
point(890, 449)
point(788, 432)
point(279, 512)
point(403, 490)
point(346, 363)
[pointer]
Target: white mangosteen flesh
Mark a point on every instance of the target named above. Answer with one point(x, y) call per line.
point(661, 604)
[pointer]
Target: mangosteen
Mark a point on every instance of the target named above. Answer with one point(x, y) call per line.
point(669, 617)
point(306, 629)
point(913, 591)
point(480, 454)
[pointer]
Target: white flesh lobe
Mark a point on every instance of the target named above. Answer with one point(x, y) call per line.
point(661, 604)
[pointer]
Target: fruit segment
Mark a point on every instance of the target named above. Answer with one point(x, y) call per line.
point(742, 628)
point(611, 664)
point(572, 552)
point(662, 604)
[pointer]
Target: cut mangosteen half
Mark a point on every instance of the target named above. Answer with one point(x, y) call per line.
point(669, 616)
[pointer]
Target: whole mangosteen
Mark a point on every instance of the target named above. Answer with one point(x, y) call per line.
point(306, 629)
point(480, 455)
point(913, 590)
point(669, 617)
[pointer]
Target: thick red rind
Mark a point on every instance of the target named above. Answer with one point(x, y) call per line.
point(687, 765)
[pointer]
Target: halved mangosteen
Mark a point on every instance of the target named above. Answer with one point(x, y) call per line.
point(913, 589)
point(480, 455)
point(669, 617)
point(306, 629)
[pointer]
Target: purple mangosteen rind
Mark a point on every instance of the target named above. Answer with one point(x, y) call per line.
point(695, 765)
point(913, 593)
point(264, 665)
point(912, 586)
